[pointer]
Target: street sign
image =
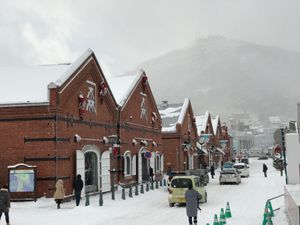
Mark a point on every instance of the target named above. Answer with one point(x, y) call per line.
point(147, 154)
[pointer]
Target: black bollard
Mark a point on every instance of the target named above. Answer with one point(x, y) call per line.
point(123, 194)
point(147, 186)
point(87, 199)
point(165, 183)
point(142, 188)
point(152, 186)
point(156, 184)
point(130, 192)
point(136, 190)
point(112, 192)
point(160, 183)
point(100, 198)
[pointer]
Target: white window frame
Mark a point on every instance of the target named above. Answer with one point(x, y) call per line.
point(157, 162)
point(133, 165)
point(127, 173)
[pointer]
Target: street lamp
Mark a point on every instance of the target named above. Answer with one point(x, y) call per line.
point(114, 151)
point(200, 152)
point(223, 144)
point(211, 154)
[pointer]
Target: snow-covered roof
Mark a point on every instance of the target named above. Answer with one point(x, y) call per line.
point(215, 123)
point(29, 84)
point(122, 86)
point(172, 114)
point(201, 122)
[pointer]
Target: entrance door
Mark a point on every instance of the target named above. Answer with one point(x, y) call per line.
point(105, 168)
point(91, 171)
point(145, 168)
point(80, 167)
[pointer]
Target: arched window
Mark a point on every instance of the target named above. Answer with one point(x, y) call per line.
point(127, 163)
point(157, 162)
point(191, 161)
point(133, 167)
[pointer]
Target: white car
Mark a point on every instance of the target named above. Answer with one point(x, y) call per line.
point(242, 168)
point(229, 176)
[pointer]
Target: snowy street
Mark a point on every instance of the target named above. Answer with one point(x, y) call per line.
point(247, 201)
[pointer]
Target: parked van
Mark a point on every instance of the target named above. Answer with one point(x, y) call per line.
point(179, 185)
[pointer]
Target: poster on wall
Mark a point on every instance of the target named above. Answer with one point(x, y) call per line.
point(21, 180)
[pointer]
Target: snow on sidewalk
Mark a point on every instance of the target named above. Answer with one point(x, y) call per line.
point(247, 201)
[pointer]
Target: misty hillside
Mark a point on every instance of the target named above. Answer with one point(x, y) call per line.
point(226, 76)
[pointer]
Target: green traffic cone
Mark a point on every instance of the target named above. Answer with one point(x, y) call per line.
point(269, 205)
point(216, 222)
point(222, 217)
point(266, 214)
point(227, 211)
point(269, 220)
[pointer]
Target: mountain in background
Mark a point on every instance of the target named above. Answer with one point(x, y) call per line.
point(228, 76)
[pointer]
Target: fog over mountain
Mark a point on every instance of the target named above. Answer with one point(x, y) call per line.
point(228, 76)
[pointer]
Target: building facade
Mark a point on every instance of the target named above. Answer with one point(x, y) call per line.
point(179, 136)
point(63, 134)
point(139, 129)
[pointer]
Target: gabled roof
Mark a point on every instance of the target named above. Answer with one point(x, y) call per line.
point(122, 86)
point(29, 84)
point(201, 122)
point(215, 123)
point(172, 114)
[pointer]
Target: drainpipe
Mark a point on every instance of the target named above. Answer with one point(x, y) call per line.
point(118, 142)
point(56, 129)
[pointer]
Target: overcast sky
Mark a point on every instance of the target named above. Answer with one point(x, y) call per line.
point(124, 33)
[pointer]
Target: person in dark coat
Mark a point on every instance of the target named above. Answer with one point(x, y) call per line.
point(78, 185)
point(151, 173)
point(265, 168)
point(192, 198)
point(5, 203)
point(212, 171)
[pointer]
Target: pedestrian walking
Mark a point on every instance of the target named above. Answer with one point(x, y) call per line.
point(59, 194)
point(212, 171)
point(78, 185)
point(5, 203)
point(192, 198)
point(265, 168)
point(151, 173)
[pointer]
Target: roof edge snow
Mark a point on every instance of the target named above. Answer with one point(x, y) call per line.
point(74, 66)
point(183, 110)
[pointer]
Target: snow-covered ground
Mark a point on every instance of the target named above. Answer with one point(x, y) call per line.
point(247, 202)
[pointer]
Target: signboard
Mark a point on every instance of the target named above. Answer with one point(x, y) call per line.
point(147, 154)
point(21, 180)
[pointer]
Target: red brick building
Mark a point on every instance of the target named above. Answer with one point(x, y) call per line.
point(217, 143)
point(139, 129)
point(206, 133)
point(226, 142)
point(56, 119)
point(179, 135)
point(219, 154)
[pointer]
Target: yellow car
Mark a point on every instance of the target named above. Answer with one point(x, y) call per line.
point(179, 185)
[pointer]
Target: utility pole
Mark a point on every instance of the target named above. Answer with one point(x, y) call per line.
point(284, 155)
